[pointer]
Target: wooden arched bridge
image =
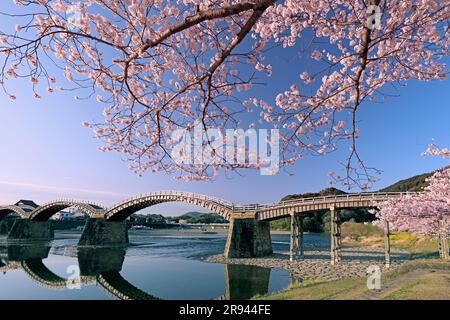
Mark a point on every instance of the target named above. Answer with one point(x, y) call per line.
point(249, 232)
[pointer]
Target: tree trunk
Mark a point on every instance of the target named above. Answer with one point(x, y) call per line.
point(440, 249)
point(443, 246)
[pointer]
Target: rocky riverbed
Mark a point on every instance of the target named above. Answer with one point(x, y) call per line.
point(316, 265)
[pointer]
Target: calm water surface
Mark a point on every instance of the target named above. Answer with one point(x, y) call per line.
point(156, 265)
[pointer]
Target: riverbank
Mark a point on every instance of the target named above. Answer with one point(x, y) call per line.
point(315, 265)
point(363, 246)
point(414, 280)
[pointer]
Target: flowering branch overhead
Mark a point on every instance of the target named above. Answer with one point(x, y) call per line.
point(161, 65)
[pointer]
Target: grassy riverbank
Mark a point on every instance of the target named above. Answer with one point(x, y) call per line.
point(424, 277)
point(419, 279)
point(368, 235)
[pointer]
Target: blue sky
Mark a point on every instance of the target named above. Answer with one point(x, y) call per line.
point(46, 153)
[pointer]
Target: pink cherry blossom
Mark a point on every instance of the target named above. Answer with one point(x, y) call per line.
point(424, 213)
point(174, 62)
point(434, 150)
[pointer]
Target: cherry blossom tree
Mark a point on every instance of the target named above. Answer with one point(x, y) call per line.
point(162, 65)
point(424, 213)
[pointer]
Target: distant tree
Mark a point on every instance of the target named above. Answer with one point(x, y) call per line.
point(207, 218)
point(313, 224)
point(160, 65)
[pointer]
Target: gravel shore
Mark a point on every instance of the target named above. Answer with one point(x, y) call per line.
point(316, 264)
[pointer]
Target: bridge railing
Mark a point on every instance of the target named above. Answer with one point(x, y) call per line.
point(19, 210)
point(312, 200)
point(67, 200)
point(373, 195)
point(178, 193)
point(246, 207)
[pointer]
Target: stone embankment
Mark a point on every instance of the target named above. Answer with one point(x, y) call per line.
point(316, 265)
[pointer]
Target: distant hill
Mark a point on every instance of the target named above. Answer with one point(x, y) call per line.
point(189, 215)
point(322, 193)
point(416, 183)
point(318, 221)
point(199, 217)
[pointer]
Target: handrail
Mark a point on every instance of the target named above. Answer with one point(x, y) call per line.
point(176, 193)
point(75, 202)
point(253, 207)
point(373, 195)
point(230, 205)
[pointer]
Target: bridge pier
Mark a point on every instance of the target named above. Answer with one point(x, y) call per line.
point(387, 245)
point(248, 237)
point(101, 232)
point(30, 230)
point(296, 239)
point(335, 235)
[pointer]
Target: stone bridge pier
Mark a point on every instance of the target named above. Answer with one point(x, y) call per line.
point(102, 232)
point(248, 237)
point(31, 230)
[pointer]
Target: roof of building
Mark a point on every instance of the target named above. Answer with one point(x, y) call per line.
point(30, 203)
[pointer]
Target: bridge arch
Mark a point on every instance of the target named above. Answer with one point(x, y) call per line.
point(115, 285)
point(126, 208)
point(38, 272)
point(6, 210)
point(111, 282)
point(44, 212)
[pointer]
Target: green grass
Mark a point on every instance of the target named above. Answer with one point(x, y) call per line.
point(413, 244)
point(358, 234)
point(405, 289)
point(314, 290)
point(420, 279)
point(358, 230)
point(417, 279)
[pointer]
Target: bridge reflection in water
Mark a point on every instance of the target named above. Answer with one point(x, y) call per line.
point(102, 266)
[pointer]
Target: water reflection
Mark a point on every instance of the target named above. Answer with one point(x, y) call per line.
point(105, 265)
point(102, 267)
point(29, 259)
point(244, 282)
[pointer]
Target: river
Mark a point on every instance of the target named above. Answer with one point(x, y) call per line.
point(158, 264)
